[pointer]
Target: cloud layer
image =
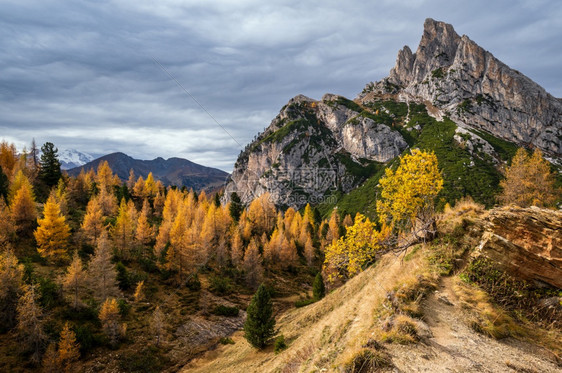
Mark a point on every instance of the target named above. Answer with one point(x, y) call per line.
point(86, 74)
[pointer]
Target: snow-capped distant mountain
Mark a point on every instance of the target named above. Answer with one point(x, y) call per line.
point(71, 158)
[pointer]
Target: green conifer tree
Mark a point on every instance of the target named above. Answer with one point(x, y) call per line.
point(235, 206)
point(318, 289)
point(50, 172)
point(259, 328)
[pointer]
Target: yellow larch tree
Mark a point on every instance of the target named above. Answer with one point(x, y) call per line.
point(350, 254)
point(172, 204)
point(104, 178)
point(150, 187)
point(102, 276)
point(11, 281)
point(8, 158)
point(236, 249)
point(157, 325)
point(108, 202)
point(333, 227)
point(7, 227)
point(110, 320)
point(30, 322)
point(159, 201)
point(69, 349)
point(139, 292)
point(407, 195)
point(74, 281)
point(24, 211)
point(253, 265)
point(52, 233)
point(179, 257)
point(123, 231)
point(309, 251)
point(262, 214)
point(144, 233)
point(529, 181)
point(131, 181)
point(139, 190)
point(93, 223)
point(50, 361)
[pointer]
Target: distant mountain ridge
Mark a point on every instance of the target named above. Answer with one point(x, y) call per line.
point(172, 171)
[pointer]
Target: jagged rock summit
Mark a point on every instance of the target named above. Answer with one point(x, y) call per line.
point(463, 81)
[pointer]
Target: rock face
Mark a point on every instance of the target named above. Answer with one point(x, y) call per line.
point(472, 87)
point(311, 149)
point(526, 242)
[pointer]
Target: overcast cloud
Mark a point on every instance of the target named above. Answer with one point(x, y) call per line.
point(82, 74)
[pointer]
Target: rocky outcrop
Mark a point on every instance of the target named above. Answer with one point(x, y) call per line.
point(475, 89)
point(312, 149)
point(525, 242)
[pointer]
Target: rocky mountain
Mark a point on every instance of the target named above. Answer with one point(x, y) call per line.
point(312, 148)
point(71, 158)
point(461, 80)
point(451, 96)
point(172, 171)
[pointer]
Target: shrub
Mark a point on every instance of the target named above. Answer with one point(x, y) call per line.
point(123, 278)
point(280, 344)
point(220, 285)
point(221, 310)
point(368, 360)
point(304, 302)
point(193, 283)
point(226, 341)
point(124, 307)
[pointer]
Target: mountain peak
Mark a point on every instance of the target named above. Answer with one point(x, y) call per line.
point(468, 84)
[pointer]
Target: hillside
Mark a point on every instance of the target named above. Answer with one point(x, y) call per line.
point(425, 311)
point(451, 97)
point(172, 171)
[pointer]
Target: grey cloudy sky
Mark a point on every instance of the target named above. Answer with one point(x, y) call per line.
point(82, 74)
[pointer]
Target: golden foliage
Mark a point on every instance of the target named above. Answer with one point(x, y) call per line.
point(52, 233)
point(74, 281)
point(123, 232)
point(69, 349)
point(529, 181)
point(92, 225)
point(110, 319)
point(23, 207)
point(30, 322)
point(101, 271)
point(408, 194)
point(348, 256)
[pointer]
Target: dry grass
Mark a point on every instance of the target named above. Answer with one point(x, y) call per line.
point(483, 316)
point(464, 210)
point(332, 332)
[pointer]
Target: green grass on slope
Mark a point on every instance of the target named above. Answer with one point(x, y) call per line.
point(463, 173)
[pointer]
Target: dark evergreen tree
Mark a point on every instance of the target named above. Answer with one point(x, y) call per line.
point(50, 172)
point(4, 185)
point(318, 289)
point(217, 199)
point(235, 206)
point(259, 328)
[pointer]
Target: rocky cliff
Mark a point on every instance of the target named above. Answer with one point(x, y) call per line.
point(468, 84)
point(313, 148)
point(525, 242)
